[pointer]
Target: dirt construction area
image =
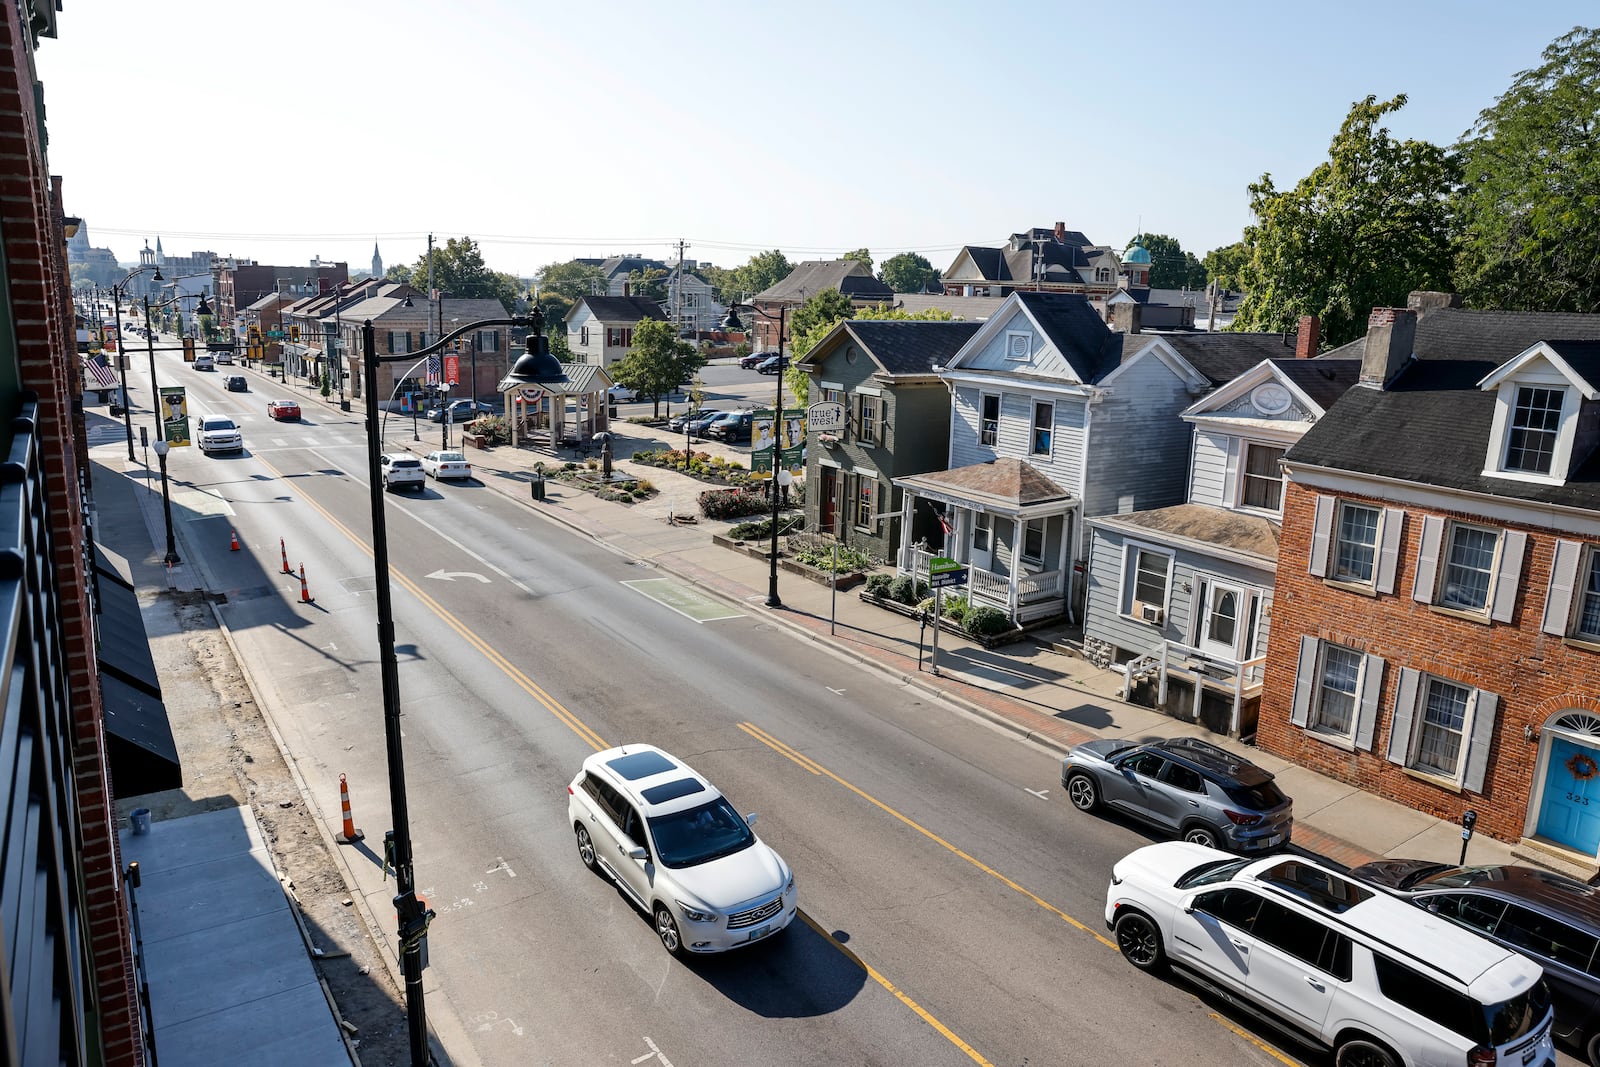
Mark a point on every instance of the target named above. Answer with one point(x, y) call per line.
point(230, 758)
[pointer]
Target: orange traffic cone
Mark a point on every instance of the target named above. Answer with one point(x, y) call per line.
point(350, 835)
point(285, 553)
point(233, 537)
point(305, 594)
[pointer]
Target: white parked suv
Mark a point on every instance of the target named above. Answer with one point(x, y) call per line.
point(678, 850)
point(218, 433)
point(1375, 980)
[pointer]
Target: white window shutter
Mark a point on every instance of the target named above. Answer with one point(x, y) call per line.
point(1230, 479)
point(1558, 598)
point(1322, 535)
point(1367, 701)
point(1508, 575)
point(1484, 707)
point(1394, 520)
point(1428, 559)
point(1405, 706)
point(1305, 680)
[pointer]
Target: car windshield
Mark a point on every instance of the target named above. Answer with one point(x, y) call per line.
point(1510, 1019)
point(1263, 797)
point(699, 835)
point(406, 463)
point(1211, 872)
point(219, 424)
point(451, 457)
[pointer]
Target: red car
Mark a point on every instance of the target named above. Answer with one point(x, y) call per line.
point(283, 410)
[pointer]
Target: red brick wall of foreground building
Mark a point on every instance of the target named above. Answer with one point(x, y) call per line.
point(1534, 674)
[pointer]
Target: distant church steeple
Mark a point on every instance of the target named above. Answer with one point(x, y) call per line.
point(377, 261)
point(161, 257)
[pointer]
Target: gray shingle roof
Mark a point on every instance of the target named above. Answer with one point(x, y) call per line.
point(1581, 356)
point(621, 308)
point(1222, 357)
point(1323, 380)
point(1003, 481)
point(1432, 424)
point(1076, 331)
point(902, 347)
point(815, 275)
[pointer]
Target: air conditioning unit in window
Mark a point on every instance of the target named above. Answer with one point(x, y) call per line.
point(1151, 614)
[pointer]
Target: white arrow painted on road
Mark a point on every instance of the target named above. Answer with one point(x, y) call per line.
point(1040, 793)
point(450, 576)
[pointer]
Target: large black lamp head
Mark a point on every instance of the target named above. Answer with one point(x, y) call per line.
point(537, 366)
point(202, 308)
point(731, 320)
point(156, 277)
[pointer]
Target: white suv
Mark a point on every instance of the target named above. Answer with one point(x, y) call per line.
point(679, 851)
point(218, 433)
point(1375, 980)
point(400, 471)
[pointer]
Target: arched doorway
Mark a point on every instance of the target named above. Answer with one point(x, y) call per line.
point(1568, 783)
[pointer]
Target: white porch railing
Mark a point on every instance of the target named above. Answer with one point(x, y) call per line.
point(1239, 679)
point(995, 588)
point(989, 585)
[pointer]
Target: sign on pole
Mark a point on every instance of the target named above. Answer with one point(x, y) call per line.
point(791, 438)
point(175, 415)
point(944, 573)
point(826, 416)
point(452, 369)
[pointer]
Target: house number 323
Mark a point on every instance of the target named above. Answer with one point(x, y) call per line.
point(1577, 798)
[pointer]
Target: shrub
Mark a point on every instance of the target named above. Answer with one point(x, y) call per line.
point(823, 559)
point(569, 466)
point(762, 529)
point(592, 464)
point(878, 585)
point(494, 428)
point(730, 503)
point(907, 590)
point(955, 607)
point(984, 621)
point(644, 485)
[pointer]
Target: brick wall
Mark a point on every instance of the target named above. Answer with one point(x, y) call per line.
point(40, 302)
point(1534, 674)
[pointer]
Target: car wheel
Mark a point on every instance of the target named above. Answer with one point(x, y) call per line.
point(1363, 1053)
point(1591, 1049)
point(1083, 793)
point(1198, 834)
point(667, 930)
point(585, 846)
point(1140, 941)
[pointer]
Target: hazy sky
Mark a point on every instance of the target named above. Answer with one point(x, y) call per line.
point(282, 131)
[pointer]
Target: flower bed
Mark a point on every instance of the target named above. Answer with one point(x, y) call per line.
point(701, 465)
point(586, 476)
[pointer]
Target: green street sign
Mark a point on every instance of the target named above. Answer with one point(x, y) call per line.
point(941, 565)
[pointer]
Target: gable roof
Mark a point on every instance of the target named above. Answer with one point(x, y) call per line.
point(1204, 526)
point(812, 277)
point(1076, 330)
point(1431, 425)
point(1323, 380)
point(619, 308)
point(1222, 357)
point(898, 346)
point(616, 265)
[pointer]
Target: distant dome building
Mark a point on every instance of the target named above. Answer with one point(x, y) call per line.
point(1136, 264)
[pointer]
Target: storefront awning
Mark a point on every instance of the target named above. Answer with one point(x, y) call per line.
point(139, 746)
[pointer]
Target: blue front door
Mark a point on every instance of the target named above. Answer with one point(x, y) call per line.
point(1569, 813)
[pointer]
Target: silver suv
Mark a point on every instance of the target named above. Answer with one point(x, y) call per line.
point(1204, 794)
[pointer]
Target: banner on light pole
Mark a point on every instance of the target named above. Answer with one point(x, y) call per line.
point(175, 415)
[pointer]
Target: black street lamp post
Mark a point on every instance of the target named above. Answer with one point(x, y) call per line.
point(122, 350)
point(162, 445)
point(732, 323)
point(535, 368)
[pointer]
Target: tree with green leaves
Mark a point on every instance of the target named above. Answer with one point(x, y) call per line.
point(659, 361)
point(1530, 228)
point(764, 270)
point(907, 273)
point(458, 269)
point(572, 280)
point(1170, 266)
point(860, 255)
point(556, 330)
point(1360, 231)
point(1225, 265)
point(650, 282)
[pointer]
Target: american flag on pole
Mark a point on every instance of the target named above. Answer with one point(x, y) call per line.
point(431, 375)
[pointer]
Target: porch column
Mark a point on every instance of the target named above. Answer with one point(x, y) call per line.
point(1068, 558)
point(903, 553)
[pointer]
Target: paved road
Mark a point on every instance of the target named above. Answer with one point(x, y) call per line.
point(951, 896)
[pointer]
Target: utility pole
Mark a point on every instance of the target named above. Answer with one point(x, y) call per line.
point(677, 289)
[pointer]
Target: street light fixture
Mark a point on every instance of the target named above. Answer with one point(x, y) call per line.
point(122, 352)
point(731, 322)
point(537, 367)
point(162, 445)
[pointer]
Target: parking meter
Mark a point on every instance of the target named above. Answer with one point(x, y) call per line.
point(1469, 819)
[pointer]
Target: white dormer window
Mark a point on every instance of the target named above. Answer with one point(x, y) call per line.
point(1537, 401)
point(1535, 426)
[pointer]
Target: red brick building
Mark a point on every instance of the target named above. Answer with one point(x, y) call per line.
point(1436, 629)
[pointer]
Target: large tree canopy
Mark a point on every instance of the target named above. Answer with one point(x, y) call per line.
point(1225, 265)
point(1530, 197)
point(860, 255)
point(1360, 231)
point(907, 273)
point(459, 270)
point(658, 362)
point(764, 270)
point(1170, 266)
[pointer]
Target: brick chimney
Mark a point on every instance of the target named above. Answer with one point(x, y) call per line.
point(1423, 301)
point(1308, 337)
point(1127, 317)
point(1061, 232)
point(1391, 337)
point(627, 289)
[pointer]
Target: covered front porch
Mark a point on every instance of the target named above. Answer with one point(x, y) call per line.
point(1011, 526)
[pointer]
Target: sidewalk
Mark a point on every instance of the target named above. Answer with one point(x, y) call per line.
point(1055, 700)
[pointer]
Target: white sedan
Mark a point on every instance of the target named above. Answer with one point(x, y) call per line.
point(446, 465)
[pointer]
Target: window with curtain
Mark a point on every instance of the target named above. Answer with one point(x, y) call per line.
point(1263, 481)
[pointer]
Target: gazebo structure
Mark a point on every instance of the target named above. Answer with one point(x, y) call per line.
point(566, 413)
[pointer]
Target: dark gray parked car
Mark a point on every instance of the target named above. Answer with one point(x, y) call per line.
point(1547, 916)
point(1185, 786)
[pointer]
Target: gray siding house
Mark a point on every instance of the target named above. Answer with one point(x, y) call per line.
point(897, 423)
point(1054, 418)
point(1181, 595)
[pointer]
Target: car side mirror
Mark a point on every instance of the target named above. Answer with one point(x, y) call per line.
point(638, 852)
point(750, 819)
